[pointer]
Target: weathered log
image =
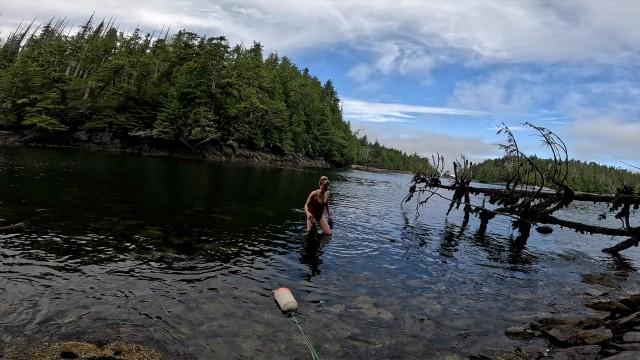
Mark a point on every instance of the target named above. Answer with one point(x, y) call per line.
point(546, 218)
point(577, 196)
point(529, 204)
point(630, 242)
point(592, 229)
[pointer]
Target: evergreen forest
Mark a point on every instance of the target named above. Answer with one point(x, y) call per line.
point(181, 87)
point(582, 176)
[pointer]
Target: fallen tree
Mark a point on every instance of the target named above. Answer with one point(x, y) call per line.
point(526, 196)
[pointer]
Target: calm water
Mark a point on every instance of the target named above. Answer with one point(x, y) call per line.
point(182, 256)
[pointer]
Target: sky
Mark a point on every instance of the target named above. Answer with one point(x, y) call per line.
point(432, 76)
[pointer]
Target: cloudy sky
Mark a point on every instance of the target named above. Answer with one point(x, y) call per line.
point(432, 76)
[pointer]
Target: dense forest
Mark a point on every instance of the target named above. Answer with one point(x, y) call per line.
point(183, 87)
point(582, 176)
point(380, 156)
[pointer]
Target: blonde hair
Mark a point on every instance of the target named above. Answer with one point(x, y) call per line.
point(323, 180)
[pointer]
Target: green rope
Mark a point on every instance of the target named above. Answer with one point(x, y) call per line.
point(312, 350)
point(294, 318)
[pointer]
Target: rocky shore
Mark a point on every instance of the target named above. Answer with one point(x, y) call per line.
point(144, 144)
point(610, 329)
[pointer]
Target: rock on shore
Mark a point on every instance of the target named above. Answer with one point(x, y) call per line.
point(612, 334)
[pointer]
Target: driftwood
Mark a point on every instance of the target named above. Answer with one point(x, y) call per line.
point(630, 242)
point(527, 204)
point(577, 196)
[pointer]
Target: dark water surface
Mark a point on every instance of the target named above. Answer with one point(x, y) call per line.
point(182, 256)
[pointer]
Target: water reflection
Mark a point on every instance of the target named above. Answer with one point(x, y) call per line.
point(312, 250)
point(620, 262)
point(450, 240)
point(182, 256)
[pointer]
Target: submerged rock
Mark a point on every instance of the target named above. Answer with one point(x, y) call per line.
point(631, 301)
point(608, 305)
point(631, 337)
point(544, 229)
point(595, 336)
point(369, 308)
point(587, 352)
point(577, 321)
point(627, 355)
point(520, 332)
point(628, 321)
point(523, 354)
point(599, 279)
point(83, 350)
point(563, 336)
point(627, 346)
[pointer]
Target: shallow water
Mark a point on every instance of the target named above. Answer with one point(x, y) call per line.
point(182, 256)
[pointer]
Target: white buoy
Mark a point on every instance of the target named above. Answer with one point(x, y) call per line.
point(285, 299)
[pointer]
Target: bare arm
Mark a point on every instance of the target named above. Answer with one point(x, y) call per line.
point(326, 203)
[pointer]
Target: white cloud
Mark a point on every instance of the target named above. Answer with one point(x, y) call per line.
point(511, 128)
point(427, 143)
point(409, 36)
point(568, 40)
point(504, 92)
point(605, 139)
point(361, 72)
point(354, 109)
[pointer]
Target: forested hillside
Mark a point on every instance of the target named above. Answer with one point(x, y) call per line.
point(583, 176)
point(379, 156)
point(183, 87)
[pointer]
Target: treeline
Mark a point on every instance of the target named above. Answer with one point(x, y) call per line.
point(380, 156)
point(582, 176)
point(185, 87)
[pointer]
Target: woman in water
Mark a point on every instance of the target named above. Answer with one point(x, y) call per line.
point(317, 202)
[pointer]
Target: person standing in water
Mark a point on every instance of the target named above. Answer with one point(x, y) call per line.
point(315, 206)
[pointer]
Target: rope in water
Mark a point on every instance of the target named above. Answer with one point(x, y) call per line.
point(312, 350)
point(305, 338)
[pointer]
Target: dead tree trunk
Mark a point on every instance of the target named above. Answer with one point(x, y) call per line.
point(528, 204)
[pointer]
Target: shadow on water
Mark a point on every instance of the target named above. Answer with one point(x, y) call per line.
point(311, 252)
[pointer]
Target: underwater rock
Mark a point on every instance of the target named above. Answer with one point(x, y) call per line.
point(628, 321)
point(544, 229)
point(520, 332)
point(83, 350)
point(563, 336)
point(587, 352)
point(599, 279)
point(595, 336)
point(612, 306)
point(627, 355)
point(631, 301)
point(632, 336)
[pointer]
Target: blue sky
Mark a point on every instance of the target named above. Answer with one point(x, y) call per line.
point(433, 76)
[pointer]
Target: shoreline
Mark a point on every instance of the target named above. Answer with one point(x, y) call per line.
point(228, 152)
point(378, 170)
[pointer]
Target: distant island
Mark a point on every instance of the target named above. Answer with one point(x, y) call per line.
point(99, 87)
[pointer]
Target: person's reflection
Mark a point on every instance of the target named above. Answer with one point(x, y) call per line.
point(312, 245)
